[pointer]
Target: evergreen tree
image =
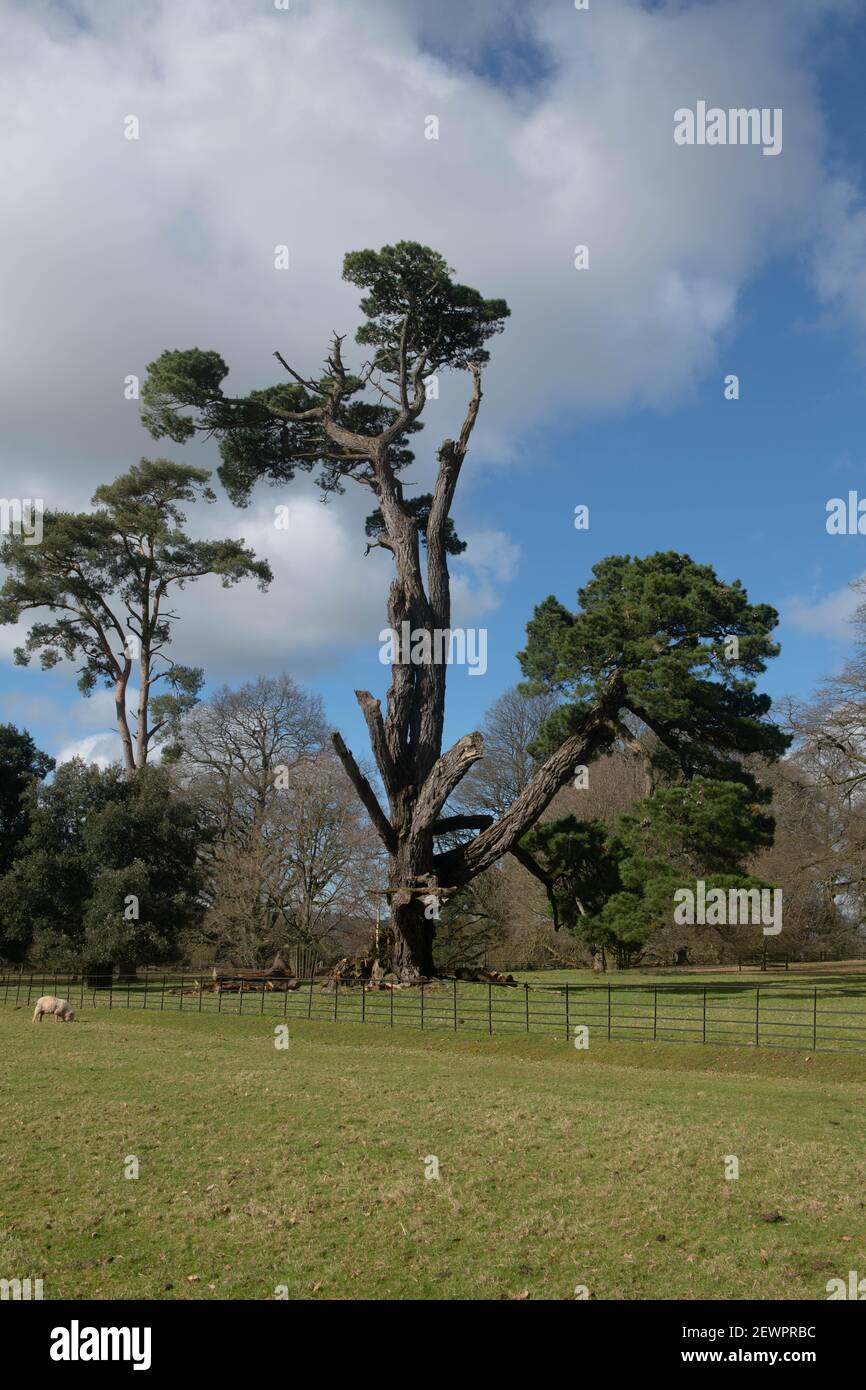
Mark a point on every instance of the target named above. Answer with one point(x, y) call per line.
point(21, 762)
point(106, 579)
point(107, 874)
point(614, 889)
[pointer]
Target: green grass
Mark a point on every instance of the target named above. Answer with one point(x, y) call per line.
point(803, 973)
point(304, 1167)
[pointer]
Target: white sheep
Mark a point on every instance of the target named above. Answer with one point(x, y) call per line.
point(50, 1004)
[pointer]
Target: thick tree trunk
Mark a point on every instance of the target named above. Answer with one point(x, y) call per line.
point(413, 941)
point(413, 931)
point(416, 775)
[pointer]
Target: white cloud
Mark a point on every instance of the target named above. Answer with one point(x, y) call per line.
point(306, 127)
point(827, 617)
point(101, 749)
point(840, 252)
point(259, 128)
point(325, 594)
point(490, 562)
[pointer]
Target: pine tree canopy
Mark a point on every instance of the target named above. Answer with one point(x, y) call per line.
point(687, 648)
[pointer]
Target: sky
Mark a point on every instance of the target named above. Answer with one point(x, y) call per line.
point(307, 127)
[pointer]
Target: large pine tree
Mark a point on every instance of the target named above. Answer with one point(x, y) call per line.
point(648, 637)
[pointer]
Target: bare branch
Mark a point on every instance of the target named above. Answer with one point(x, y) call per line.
point(445, 775)
point(577, 750)
point(368, 797)
point(448, 824)
point(525, 858)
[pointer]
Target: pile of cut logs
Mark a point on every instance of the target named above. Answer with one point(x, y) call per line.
point(369, 973)
point(477, 975)
point(230, 981)
point(276, 977)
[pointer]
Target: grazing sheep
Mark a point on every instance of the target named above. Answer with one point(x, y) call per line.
point(50, 1004)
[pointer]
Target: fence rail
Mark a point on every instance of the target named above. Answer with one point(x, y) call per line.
point(828, 1018)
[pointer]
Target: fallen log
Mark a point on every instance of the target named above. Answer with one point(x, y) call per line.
point(351, 970)
point(276, 971)
point(476, 974)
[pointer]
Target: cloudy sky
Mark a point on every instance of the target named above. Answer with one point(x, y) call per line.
point(307, 126)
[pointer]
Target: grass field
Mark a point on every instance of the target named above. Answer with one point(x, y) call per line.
point(304, 1167)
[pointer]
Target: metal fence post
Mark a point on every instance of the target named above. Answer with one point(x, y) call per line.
point(162, 993)
point(30, 987)
point(704, 1035)
point(490, 1008)
point(263, 997)
point(655, 1010)
point(526, 988)
point(567, 1018)
point(455, 1004)
point(336, 997)
point(146, 978)
point(391, 988)
point(757, 1014)
point(422, 1006)
point(608, 1013)
point(815, 1020)
point(241, 997)
point(363, 1003)
point(181, 992)
point(310, 1003)
point(110, 992)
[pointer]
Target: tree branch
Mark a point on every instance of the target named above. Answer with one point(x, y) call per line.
point(525, 858)
point(444, 776)
point(368, 797)
point(446, 824)
point(372, 712)
point(577, 751)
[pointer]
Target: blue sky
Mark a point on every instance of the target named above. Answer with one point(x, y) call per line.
point(606, 390)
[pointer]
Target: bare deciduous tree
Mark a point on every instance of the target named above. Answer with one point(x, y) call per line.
point(290, 857)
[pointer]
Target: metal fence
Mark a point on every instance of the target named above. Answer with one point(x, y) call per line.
point(818, 1018)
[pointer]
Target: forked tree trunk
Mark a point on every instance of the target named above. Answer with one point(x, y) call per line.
point(417, 776)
